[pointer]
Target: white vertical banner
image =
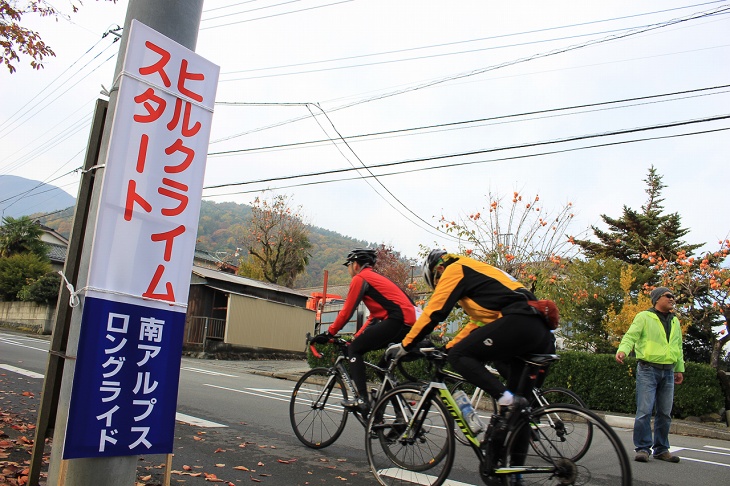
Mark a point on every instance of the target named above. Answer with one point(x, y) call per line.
point(124, 393)
point(150, 200)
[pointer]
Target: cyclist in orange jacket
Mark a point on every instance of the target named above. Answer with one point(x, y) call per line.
point(503, 324)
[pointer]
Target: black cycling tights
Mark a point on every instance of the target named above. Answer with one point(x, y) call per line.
point(377, 335)
point(502, 340)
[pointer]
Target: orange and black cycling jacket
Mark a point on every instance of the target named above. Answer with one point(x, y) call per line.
point(482, 291)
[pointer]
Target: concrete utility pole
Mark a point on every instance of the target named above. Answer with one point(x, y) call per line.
point(179, 21)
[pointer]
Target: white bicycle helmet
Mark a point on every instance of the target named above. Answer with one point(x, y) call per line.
point(430, 263)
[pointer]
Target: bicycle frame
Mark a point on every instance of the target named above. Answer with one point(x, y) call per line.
point(339, 368)
point(447, 399)
point(442, 391)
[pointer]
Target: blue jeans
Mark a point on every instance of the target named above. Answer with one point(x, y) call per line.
point(654, 386)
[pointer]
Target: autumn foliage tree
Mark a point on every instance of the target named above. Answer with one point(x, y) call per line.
point(277, 241)
point(619, 318)
point(702, 285)
point(17, 40)
point(517, 235)
point(398, 269)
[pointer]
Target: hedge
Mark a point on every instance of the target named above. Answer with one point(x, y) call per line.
point(601, 382)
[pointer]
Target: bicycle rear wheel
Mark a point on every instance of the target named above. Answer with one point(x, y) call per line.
point(548, 460)
point(553, 396)
point(560, 429)
point(405, 449)
point(315, 409)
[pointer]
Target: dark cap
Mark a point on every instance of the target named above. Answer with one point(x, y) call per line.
point(657, 293)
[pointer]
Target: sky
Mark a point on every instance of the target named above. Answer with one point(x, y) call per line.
point(454, 100)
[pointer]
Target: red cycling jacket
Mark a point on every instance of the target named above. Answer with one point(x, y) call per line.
point(381, 296)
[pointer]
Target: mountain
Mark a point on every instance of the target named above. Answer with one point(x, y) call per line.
point(219, 229)
point(21, 197)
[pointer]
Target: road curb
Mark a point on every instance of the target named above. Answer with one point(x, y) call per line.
point(679, 427)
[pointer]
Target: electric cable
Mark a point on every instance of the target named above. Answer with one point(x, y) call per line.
point(367, 169)
point(463, 122)
point(433, 56)
point(473, 162)
point(46, 95)
point(276, 15)
point(478, 71)
point(535, 31)
point(490, 150)
point(42, 91)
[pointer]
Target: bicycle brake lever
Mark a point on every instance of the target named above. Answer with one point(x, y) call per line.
point(314, 351)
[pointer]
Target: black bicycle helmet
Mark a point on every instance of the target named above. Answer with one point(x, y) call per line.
point(430, 263)
point(363, 256)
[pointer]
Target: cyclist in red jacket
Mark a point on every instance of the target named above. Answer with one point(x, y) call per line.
point(392, 314)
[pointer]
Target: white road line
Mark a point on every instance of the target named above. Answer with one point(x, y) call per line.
point(206, 372)
point(21, 371)
point(22, 338)
point(198, 422)
point(723, 451)
point(17, 343)
point(720, 448)
point(416, 478)
point(705, 462)
point(252, 391)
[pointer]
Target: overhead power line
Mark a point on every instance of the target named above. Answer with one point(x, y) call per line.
point(45, 102)
point(488, 150)
point(458, 123)
point(429, 227)
point(475, 162)
point(478, 71)
point(275, 15)
point(468, 41)
point(43, 91)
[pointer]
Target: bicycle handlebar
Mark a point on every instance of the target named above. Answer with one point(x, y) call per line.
point(341, 343)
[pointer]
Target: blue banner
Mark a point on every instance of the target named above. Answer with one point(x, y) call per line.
point(125, 385)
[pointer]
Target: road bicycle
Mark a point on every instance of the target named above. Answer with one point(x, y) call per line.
point(410, 439)
point(315, 410)
point(539, 397)
point(485, 403)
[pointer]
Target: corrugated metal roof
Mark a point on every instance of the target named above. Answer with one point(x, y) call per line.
point(209, 274)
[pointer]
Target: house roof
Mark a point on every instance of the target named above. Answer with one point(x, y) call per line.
point(207, 256)
point(51, 236)
point(209, 275)
point(56, 253)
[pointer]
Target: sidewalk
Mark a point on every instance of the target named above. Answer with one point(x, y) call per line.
point(292, 370)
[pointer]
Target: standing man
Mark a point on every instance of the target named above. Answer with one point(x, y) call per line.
point(656, 337)
point(392, 314)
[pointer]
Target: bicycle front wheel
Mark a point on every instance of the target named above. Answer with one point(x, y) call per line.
point(315, 409)
point(548, 459)
point(406, 445)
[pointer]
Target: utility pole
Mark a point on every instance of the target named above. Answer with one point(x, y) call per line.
point(179, 21)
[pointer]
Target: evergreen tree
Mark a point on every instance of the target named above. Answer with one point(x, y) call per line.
point(21, 235)
point(638, 233)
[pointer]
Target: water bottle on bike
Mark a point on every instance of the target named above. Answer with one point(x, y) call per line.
point(473, 421)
